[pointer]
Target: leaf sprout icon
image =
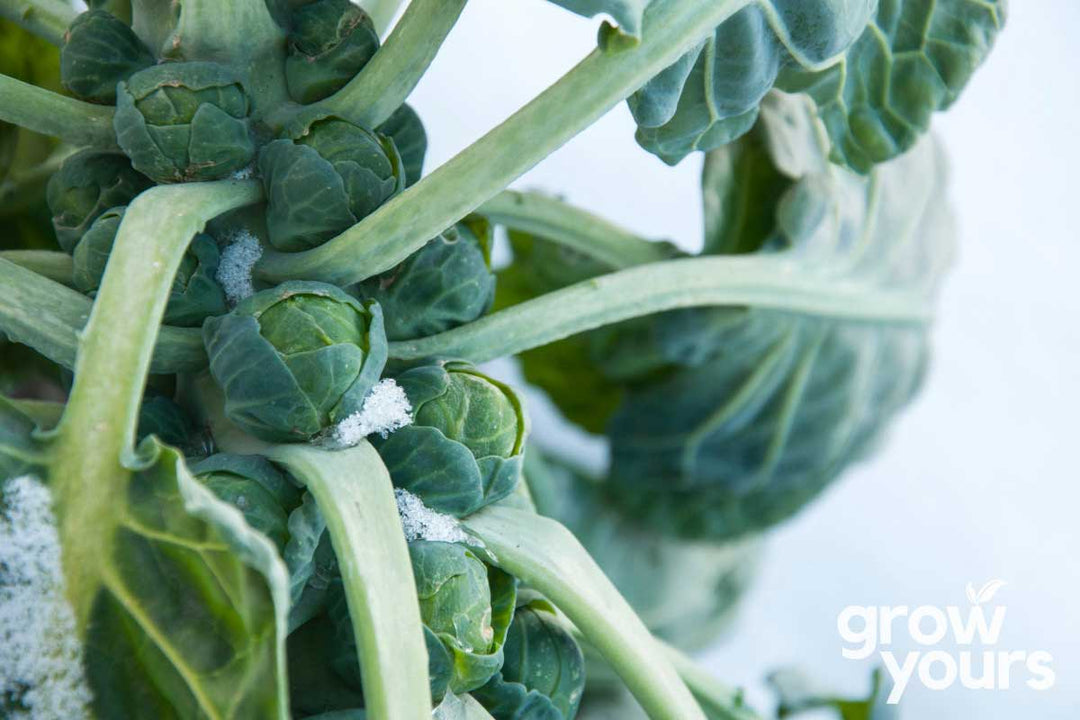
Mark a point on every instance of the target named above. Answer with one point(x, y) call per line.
point(986, 593)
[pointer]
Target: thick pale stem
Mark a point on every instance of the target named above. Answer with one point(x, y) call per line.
point(43, 111)
point(96, 435)
point(48, 19)
point(760, 281)
point(48, 317)
point(562, 223)
point(385, 82)
point(545, 555)
point(489, 165)
point(354, 493)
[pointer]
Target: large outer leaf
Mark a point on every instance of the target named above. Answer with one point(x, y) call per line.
point(878, 70)
point(778, 403)
point(187, 614)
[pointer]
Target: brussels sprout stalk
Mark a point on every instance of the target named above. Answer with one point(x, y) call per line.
point(48, 19)
point(478, 173)
point(94, 444)
point(560, 222)
point(541, 552)
point(384, 83)
point(54, 265)
point(354, 492)
point(71, 120)
point(759, 281)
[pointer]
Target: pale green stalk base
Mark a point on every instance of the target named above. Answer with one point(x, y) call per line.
point(765, 282)
point(354, 493)
point(48, 317)
point(582, 96)
point(71, 120)
point(48, 19)
point(552, 219)
point(96, 435)
point(545, 555)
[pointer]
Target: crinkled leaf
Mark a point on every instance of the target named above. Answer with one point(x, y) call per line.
point(772, 406)
point(406, 129)
point(186, 605)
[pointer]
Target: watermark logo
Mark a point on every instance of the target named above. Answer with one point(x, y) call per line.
point(973, 659)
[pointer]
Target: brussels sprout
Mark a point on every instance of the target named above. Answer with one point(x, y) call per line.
point(160, 416)
point(100, 51)
point(466, 607)
point(405, 128)
point(326, 180)
point(195, 295)
point(296, 359)
point(543, 672)
point(91, 254)
point(184, 121)
point(446, 283)
point(330, 42)
point(87, 184)
point(465, 447)
point(259, 490)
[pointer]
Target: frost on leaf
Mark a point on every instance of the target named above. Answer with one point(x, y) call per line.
point(237, 263)
point(41, 672)
point(422, 523)
point(386, 409)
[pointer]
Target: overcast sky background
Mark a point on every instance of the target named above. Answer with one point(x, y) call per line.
point(978, 479)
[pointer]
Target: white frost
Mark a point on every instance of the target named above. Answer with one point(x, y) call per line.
point(422, 523)
point(41, 667)
point(244, 173)
point(237, 262)
point(385, 409)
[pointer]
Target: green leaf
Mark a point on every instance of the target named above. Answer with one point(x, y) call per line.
point(331, 41)
point(711, 96)
point(406, 129)
point(20, 451)
point(913, 59)
point(772, 405)
point(878, 71)
point(100, 51)
point(189, 596)
point(627, 14)
point(798, 695)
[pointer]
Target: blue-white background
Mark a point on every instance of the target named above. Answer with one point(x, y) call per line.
point(978, 479)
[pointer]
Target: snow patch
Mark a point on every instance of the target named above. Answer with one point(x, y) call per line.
point(41, 670)
point(385, 409)
point(237, 263)
point(422, 523)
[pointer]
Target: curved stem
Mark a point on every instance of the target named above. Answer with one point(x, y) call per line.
point(478, 173)
point(562, 223)
point(381, 12)
point(385, 82)
point(353, 490)
point(541, 552)
point(97, 432)
point(56, 266)
point(47, 316)
point(48, 19)
point(759, 281)
point(720, 701)
point(75, 121)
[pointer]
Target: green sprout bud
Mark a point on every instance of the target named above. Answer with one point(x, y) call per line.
point(466, 607)
point(406, 129)
point(446, 283)
point(195, 294)
point(330, 42)
point(259, 490)
point(296, 359)
point(465, 447)
point(87, 184)
point(184, 121)
point(543, 673)
point(325, 181)
point(100, 51)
